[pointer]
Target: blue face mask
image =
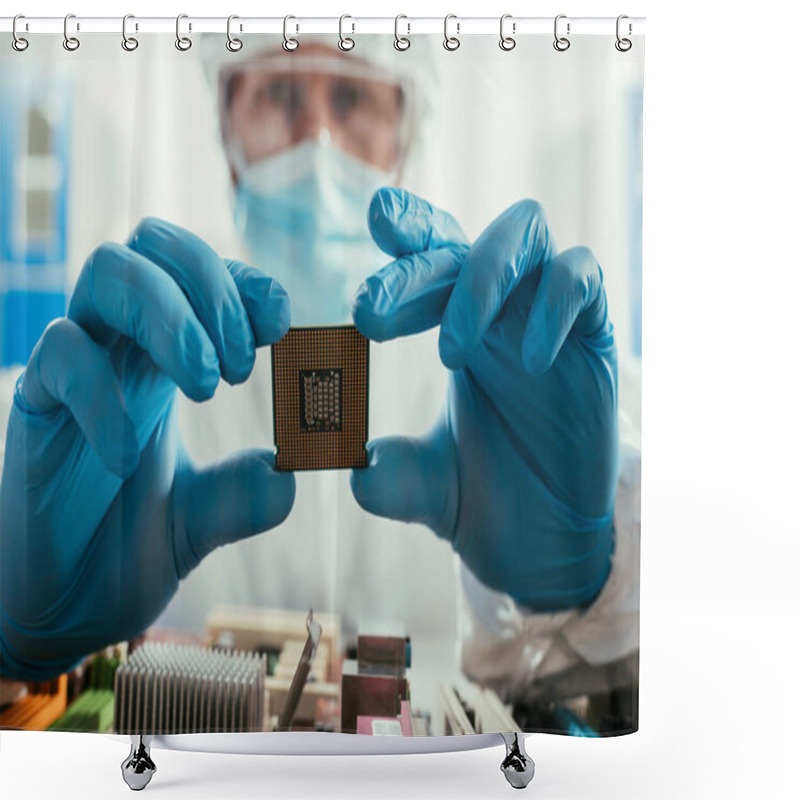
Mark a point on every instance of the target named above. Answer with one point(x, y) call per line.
point(303, 216)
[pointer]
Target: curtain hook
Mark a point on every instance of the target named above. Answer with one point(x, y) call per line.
point(623, 45)
point(183, 43)
point(289, 43)
point(18, 42)
point(346, 43)
point(507, 42)
point(401, 42)
point(71, 43)
point(233, 44)
point(451, 42)
point(561, 43)
point(129, 43)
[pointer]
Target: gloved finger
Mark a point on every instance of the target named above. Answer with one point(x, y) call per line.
point(67, 368)
point(409, 480)
point(120, 291)
point(408, 295)
point(265, 301)
point(403, 223)
point(231, 500)
point(209, 287)
point(514, 245)
point(570, 297)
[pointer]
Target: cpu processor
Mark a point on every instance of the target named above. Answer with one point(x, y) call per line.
point(320, 379)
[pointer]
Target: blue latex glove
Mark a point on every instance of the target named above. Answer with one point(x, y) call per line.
point(520, 472)
point(102, 512)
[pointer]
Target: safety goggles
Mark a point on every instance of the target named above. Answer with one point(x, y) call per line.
point(272, 103)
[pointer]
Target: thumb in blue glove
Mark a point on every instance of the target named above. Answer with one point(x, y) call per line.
point(519, 474)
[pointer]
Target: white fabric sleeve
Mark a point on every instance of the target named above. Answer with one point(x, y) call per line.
point(505, 646)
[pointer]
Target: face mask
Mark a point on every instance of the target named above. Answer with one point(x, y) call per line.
point(303, 215)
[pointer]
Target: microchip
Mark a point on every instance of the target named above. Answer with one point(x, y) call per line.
point(319, 398)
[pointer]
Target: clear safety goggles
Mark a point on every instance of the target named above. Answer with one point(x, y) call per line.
point(274, 102)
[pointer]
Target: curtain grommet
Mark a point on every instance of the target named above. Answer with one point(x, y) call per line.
point(129, 43)
point(507, 43)
point(451, 43)
point(290, 44)
point(561, 43)
point(19, 43)
point(401, 43)
point(183, 43)
point(71, 43)
point(346, 43)
point(233, 44)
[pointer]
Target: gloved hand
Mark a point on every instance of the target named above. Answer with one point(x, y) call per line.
point(102, 512)
point(520, 472)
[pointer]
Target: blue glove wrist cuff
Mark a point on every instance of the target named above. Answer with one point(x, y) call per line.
point(580, 597)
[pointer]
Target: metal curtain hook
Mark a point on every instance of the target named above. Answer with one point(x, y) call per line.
point(18, 42)
point(401, 42)
point(70, 42)
point(289, 42)
point(561, 43)
point(623, 45)
point(129, 43)
point(451, 42)
point(183, 43)
point(507, 42)
point(233, 44)
point(346, 42)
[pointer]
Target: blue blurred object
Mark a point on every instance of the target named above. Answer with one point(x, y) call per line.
point(520, 472)
point(572, 724)
point(101, 510)
point(24, 317)
point(34, 182)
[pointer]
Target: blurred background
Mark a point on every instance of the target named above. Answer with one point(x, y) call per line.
point(122, 137)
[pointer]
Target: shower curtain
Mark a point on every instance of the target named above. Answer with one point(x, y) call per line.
point(321, 367)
